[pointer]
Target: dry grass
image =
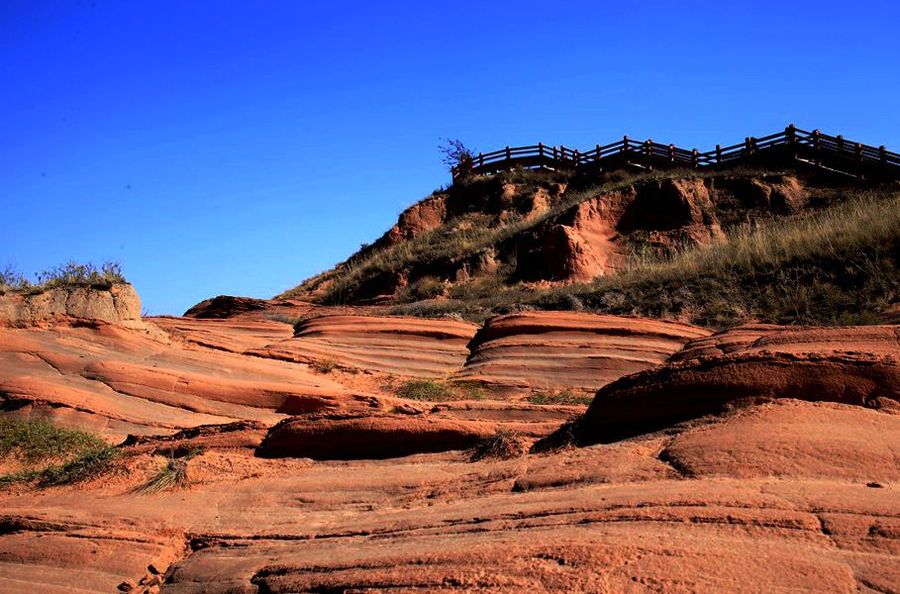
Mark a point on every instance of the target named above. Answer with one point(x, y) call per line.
point(837, 265)
point(174, 475)
point(441, 391)
point(71, 274)
point(463, 237)
point(502, 445)
point(567, 397)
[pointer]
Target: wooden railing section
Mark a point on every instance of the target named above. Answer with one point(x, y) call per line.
point(792, 144)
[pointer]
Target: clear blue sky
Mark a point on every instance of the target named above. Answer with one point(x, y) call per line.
point(239, 147)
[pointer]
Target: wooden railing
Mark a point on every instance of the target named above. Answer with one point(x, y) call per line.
point(792, 144)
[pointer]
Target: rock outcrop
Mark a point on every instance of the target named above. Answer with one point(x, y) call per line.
point(570, 350)
point(119, 305)
point(403, 346)
point(857, 366)
point(370, 436)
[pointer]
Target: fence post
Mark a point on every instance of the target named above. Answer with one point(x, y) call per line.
point(508, 155)
point(647, 147)
point(481, 159)
point(624, 144)
point(882, 154)
point(671, 153)
point(555, 155)
point(562, 152)
point(815, 136)
point(541, 150)
point(746, 146)
point(575, 156)
point(718, 154)
point(597, 157)
point(791, 133)
point(858, 152)
point(695, 158)
point(840, 143)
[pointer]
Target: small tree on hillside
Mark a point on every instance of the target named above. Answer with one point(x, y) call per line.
point(457, 157)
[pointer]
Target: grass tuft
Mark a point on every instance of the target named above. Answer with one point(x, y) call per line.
point(502, 445)
point(174, 475)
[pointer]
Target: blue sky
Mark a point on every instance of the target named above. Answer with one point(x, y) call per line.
point(240, 147)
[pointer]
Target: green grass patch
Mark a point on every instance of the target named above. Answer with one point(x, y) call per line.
point(53, 455)
point(33, 441)
point(437, 391)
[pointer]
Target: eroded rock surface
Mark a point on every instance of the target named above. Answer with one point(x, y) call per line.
point(119, 305)
point(859, 366)
point(570, 350)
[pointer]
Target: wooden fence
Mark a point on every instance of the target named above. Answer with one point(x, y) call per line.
point(792, 144)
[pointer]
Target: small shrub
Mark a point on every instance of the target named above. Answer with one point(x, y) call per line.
point(67, 275)
point(503, 445)
point(427, 287)
point(11, 280)
point(174, 475)
point(324, 366)
point(74, 274)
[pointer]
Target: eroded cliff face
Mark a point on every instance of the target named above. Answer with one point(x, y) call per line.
point(551, 231)
point(118, 305)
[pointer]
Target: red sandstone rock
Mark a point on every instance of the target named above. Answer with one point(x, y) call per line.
point(570, 350)
point(403, 346)
point(858, 366)
point(372, 436)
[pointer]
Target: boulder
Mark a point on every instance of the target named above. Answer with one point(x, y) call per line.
point(372, 436)
point(857, 365)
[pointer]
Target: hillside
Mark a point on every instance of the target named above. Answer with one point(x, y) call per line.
point(778, 241)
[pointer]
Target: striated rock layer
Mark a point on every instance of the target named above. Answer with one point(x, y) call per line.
point(717, 508)
point(403, 346)
point(858, 366)
point(570, 350)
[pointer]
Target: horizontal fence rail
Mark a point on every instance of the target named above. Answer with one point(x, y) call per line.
point(792, 144)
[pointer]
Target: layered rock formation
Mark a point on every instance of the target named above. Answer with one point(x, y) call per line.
point(571, 350)
point(856, 366)
point(402, 346)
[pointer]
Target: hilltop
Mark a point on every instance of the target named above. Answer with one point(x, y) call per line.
point(780, 240)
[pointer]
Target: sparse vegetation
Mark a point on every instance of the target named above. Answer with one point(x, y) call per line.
point(567, 397)
point(52, 455)
point(32, 441)
point(324, 366)
point(71, 274)
point(174, 475)
point(502, 445)
point(455, 155)
point(437, 391)
point(837, 265)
